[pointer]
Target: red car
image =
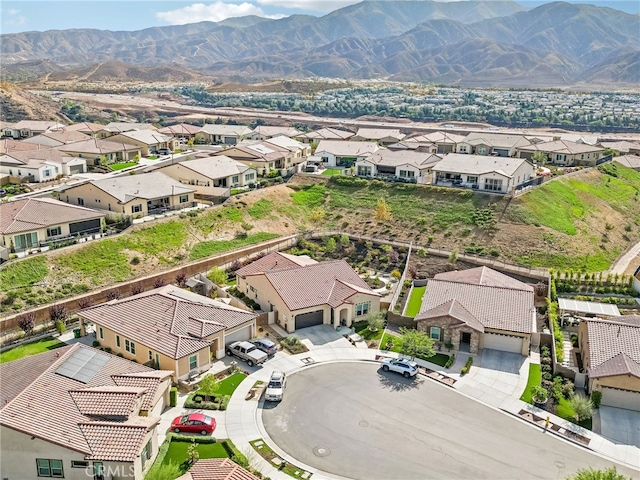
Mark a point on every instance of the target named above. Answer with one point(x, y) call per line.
point(194, 423)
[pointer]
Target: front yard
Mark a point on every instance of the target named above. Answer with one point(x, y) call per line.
point(362, 329)
point(33, 348)
point(439, 358)
point(415, 301)
point(122, 166)
point(535, 377)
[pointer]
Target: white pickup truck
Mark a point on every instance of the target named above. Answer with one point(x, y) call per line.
point(248, 352)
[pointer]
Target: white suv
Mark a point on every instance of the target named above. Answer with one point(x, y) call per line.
point(275, 388)
point(406, 367)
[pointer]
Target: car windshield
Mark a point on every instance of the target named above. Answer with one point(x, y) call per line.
point(208, 420)
point(184, 419)
point(275, 384)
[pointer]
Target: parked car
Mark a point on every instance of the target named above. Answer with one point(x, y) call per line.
point(194, 423)
point(164, 151)
point(275, 388)
point(3, 193)
point(248, 352)
point(266, 345)
point(405, 367)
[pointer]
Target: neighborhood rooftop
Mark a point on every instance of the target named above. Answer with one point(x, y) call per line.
point(219, 166)
point(478, 164)
point(610, 338)
point(346, 148)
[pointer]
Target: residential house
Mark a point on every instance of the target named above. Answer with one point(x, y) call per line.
point(149, 141)
point(265, 132)
point(579, 138)
point(30, 128)
point(217, 469)
point(405, 165)
point(610, 354)
point(259, 156)
point(564, 152)
point(41, 165)
point(88, 128)
point(488, 174)
point(56, 138)
point(303, 292)
point(222, 134)
point(184, 132)
point(115, 128)
point(76, 412)
point(382, 136)
point(9, 145)
point(325, 134)
point(445, 142)
point(414, 146)
point(30, 223)
point(137, 195)
point(7, 129)
point(338, 153)
point(478, 308)
point(487, 143)
point(173, 328)
point(211, 176)
point(95, 150)
point(623, 147)
point(629, 161)
point(297, 152)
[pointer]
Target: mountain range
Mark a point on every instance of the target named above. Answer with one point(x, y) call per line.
point(490, 43)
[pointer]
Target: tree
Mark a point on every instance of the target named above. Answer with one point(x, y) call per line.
point(209, 385)
point(375, 321)
point(415, 343)
point(192, 453)
point(453, 257)
point(582, 407)
point(217, 276)
point(27, 323)
point(539, 158)
point(383, 211)
point(57, 313)
point(591, 474)
point(539, 394)
point(330, 246)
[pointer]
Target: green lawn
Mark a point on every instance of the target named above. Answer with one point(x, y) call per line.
point(205, 249)
point(535, 376)
point(439, 358)
point(261, 208)
point(23, 273)
point(122, 166)
point(28, 349)
point(564, 410)
point(362, 329)
point(311, 197)
point(332, 171)
point(177, 452)
point(229, 384)
point(415, 301)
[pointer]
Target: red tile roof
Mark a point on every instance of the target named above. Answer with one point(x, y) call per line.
point(453, 309)
point(217, 469)
point(149, 381)
point(621, 364)
point(484, 276)
point(610, 338)
point(120, 442)
point(108, 400)
point(275, 260)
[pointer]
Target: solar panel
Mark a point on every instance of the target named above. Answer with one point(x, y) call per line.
point(83, 365)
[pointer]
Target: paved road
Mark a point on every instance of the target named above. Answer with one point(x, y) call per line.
point(621, 265)
point(353, 420)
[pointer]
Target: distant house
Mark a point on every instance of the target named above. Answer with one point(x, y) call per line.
point(57, 138)
point(304, 292)
point(478, 308)
point(488, 174)
point(88, 128)
point(96, 150)
point(259, 156)
point(9, 145)
point(217, 469)
point(179, 330)
point(629, 161)
point(114, 128)
point(405, 165)
point(30, 128)
point(445, 142)
point(78, 413)
point(610, 354)
point(325, 134)
point(211, 176)
point(137, 195)
point(30, 223)
point(564, 152)
point(182, 131)
point(149, 141)
point(338, 153)
point(265, 132)
point(623, 147)
point(41, 165)
point(222, 134)
point(488, 143)
point(382, 136)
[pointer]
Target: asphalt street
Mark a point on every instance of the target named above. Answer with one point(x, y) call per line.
point(353, 420)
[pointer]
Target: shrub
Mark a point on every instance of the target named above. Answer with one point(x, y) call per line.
point(582, 407)
point(567, 388)
point(173, 396)
point(136, 289)
point(57, 312)
point(135, 260)
point(181, 279)
point(27, 323)
point(160, 282)
point(61, 327)
point(545, 367)
point(467, 366)
point(539, 394)
point(596, 398)
point(547, 376)
point(96, 343)
point(396, 274)
point(85, 302)
point(451, 361)
point(113, 294)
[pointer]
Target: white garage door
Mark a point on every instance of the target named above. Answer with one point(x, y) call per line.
point(621, 398)
point(238, 335)
point(505, 343)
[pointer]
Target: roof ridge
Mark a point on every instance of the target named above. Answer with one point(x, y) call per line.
point(478, 285)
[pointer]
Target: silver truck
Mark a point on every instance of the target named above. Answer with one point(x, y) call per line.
point(248, 352)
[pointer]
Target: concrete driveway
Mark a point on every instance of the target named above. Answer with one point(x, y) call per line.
point(620, 425)
point(495, 376)
point(353, 420)
point(323, 336)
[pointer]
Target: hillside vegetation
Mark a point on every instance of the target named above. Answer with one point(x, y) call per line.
point(580, 222)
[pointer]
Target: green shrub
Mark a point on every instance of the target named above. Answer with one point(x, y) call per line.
point(596, 398)
point(173, 396)
point(96, 343)
point(61, 327)
point(467, 366)
point(451, 361)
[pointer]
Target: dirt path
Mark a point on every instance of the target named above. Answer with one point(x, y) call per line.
point(628, 262)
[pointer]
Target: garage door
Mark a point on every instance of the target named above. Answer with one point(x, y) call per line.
point(309, 319)
point(614, 397)
point(242, 334)
point(75, 169)
point(505, 343)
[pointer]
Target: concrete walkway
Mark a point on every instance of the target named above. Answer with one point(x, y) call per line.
point(621, 265)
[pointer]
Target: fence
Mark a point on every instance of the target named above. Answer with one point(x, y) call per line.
point(401, 320)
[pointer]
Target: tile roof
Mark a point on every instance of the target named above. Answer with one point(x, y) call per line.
point(495, 307)
point(403, 157)
point(484, 276)
point(38, 125)
point(272, 131)
point(169, 320)
point(328, 134)
point(148, 137)
point(108, 400)
point(9, 145)
point(453, 309)
point(150, 381)
point(215, 129)
point(287, 143)
point(343, 148)
point(327, 283)
point(217, 469)
point(500, 140)
point(437, 137)
point(630, 161)
point(379, 133)
point(622, 146)
point(562, 146)
point(608, 338)
point(180, 129)
point(258, 152)
point(479, 164)
point(219, 166)
point(115, 441)
point(58, 137)
point(621, 364)
point(85, 127)
point(119, 127)
point(36, 213)
point(97, 146)
point(275, 260)
point(34, 158)
point(42, 406)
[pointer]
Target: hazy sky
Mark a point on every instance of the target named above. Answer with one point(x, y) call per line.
point(26, 15)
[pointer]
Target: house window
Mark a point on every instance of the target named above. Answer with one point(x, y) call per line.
point(101, 332)
point(407, 173)
point(472, 179)
point(118, 341)
point(49, 468)
point(145, 456)
point(249, 176)
point(130, 347)
point(435, 333)
point(362, 308)
point(54, 231)
point(463, 149)
point(235, 179)
point(80, 201)
point(98, 471)
point(482, 150)
point(46, 173)
point(79, 464)
point(184, 198)
point(193, 362)
point(136, 208)
point(364, 171)
point(493, 184)
point(26, 240)
point(150, 355)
